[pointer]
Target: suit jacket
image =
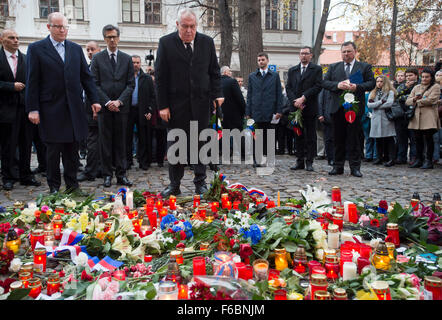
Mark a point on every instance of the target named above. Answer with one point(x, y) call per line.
point(55, 89)
point(146, 97)
point(336, 74)
point(112, 85)
point(187, 85)
point(264, 96)
point(309, 85)
point(234, 106)
point(11, 100)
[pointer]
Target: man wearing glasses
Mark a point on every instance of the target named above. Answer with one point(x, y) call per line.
point(57, 73)
point(114, 76)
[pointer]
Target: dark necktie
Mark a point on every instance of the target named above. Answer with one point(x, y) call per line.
point(189, 50)
point(113, 63)
point(303, 70)
point(347, 70)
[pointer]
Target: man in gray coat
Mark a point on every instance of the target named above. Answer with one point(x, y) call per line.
point(114, 76)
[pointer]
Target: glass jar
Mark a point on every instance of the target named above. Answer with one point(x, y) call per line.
point(16, 285)
point(333, 236)
point(28, 267)
point(37, 235)
point(300, 260)
point(339, 294)
point(432, 288)
point(261, 269)
point(40, 259)
point(346, 256)
point(280, 294)
point(108, 225)
point(167, 290)
point(322, 295)
point(381, 289)
point(199, 266)
point(281, 262)
point(224, 199)
point(393, 233)
point(24, 277)
point(35, 286)
point(336, 197)
point(204, 246)
point(53, 285)
point(224, 265)
point(332, 268)
point(414, 203)
point(178, 256)
point(57, 224)
point(173, 271)
point(338, 218)
point(202, 210)
point(318, 282)
point(172, 202)
point(391, 250)
point(196, 200)
point(328, 252)
point(381, 258)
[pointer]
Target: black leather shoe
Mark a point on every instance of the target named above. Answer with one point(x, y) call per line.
point(8, 186)
point(416, 164)
point(356, 173)
point(377, 161)
point(166, 193)
point(427, 165)
point(336, 171)
point(53, 190)
point(309, 167)
point(201, 189)
point(124, 181)
point(298, 166)
point(83, 177)
point(30, 182)
point(389, 163)
point(107, 181)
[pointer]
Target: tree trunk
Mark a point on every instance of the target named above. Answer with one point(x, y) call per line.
point(250, 36)
point(321, 31)
point(393, 41)
point(226, 28)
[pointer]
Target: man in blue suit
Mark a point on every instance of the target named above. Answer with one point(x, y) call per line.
point(57, 73)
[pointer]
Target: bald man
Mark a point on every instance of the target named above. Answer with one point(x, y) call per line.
point(14, 128)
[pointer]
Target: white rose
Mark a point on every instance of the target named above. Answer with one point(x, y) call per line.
point(250, 122)
point(15, 265)
point(349, 97)
point(81, 259)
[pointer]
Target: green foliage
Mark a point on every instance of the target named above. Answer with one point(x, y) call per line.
point(19, 294)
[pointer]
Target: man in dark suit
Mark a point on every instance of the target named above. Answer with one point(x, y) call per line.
point(234, 106)
point(303, 86)
point(57, 75)
point(92, 168)
point(15, 129)
point(347, 135)
point(188, 81)
point(142, 101)
point(114, 76)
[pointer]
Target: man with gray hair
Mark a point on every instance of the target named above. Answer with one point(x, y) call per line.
point(57, 73)
point(188, 82)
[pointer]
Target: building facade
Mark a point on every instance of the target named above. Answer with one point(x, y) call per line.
point(287, 25)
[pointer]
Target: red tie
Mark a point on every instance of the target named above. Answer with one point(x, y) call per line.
point(14, 59)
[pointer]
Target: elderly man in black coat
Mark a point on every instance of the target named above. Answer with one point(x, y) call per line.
point(188, 82)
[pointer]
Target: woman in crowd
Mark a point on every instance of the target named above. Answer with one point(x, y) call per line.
point(382, 129)
point(437, 137)
point(425, 122)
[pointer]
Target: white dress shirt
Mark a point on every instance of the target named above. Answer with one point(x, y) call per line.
point(110, 52)
point(10, 60)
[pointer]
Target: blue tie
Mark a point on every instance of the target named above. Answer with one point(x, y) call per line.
point(60, 50)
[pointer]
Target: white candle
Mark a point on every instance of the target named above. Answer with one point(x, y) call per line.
point(32, 205)
point(130, 199)
point(333, 236)
point(347, 236)
point(349, 271)
point(346, 203)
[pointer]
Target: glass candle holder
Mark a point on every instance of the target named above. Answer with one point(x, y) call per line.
point(152, 216)
point(381, 258)
point(333, 236)
point(16, 285)
point(393, 233)
point(350, 271)
point(288, 219)
point(224, 199)
point(224, 265)
point(57, 225)
point(167, 290)
point(362, 262)
point(322, 295)
point(295, 296)
point(340, 294)
point(352, 213)
point(414, 203)
point(391, 250)
point(196, 200)
point(40, 259)
point(432, 288)
point(318, 282)
point(214, 206)
point(178, 255)
point(199, 266)
point(236, 205)
point(24, 277)
point(241, 267)
point(204, 246)
point(209, 216)
point(332, 268)
point(53, 285)
point(281, 262)
point(336, 195)
point(346, 256)
point(35, 286)
point(28, 267)
point(172, 202)
point(311, 264)
point(338, 219)
point(280, 294)
point(327, 252)
point(183, 292)
point(261, 269)
point(159, 205)
point(37, 235)
point(365, 250)
point(248, 272)
point(202, 211)
point(228, 205)
point(381, 289)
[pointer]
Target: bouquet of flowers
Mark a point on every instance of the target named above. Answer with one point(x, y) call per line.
point(350, 105)
point(295, 121)
point(215, 124)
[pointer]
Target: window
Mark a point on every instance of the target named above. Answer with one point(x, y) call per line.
point(47, 7)
point(131, 11)
point(291, 15)
point(334, 37)
point(152, 11)
point(74, 9)
point(212, 15)
point(272, 16)
point(348, 36)
point(4, 9)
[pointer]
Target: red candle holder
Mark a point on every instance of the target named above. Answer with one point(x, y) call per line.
point(346, 256)
point(172, 202)
point(311, 264)
point(338, 219)
point(214, 207)
point(365, 250)
point(362, 262)
point(336, 196)
point(53, 285)
point(248, 272)
point(35, 286)
point(119, 275)
point(236, 205)
point(152, 219)
point(37, 236)
point(318, 270)
point(24, 277)
point(224, 199)
point(159, 205)
point(280, 294)
point(274, 274)
point(58, 226)
point(163, 212)
point(202, 212)
point(147, 258)
point(228, 205)
point(352, 213)
point(332, 267)
point(196, 200)
point(393, 233)
point(199, 266)
point(414, 203)
point(241, 267)
point(40, 259)
point(183, 292)
point(137, 225)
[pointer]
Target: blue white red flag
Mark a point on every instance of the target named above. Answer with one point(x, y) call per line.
point(107, 264)
point(70, 237)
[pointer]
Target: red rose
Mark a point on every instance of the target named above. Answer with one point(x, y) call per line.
point(86, 277)
point(230, 232)
point(182, 235)
point(374, 223)
point(383, 204)
point(61, 273)
point(245, 250)
point(180, 245)
point(388, 239)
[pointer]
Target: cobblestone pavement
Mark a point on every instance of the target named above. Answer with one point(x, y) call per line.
point(395, 183)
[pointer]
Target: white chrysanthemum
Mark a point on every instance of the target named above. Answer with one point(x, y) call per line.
point(81, 259)
point(314, 225)
point(245, 215)
point(15, 265)
point(229, 223)
point(237, 215)
point(349, 97)
point(244, 224)
point(69, 203)
point(250, 122)
point(315, 198)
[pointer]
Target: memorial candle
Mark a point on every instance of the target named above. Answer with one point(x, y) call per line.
point(130, 199)
point(338, 220)
point(196, 200)
point(37, 235)
point(199, 266)
point(172, 202)
point(362, 262)
point(381, 289)
point(228, 205)
point(35, 286)
point(270, 204)
point(163, 212)
point(393, 233)
point(280, 294)
point(183, 292)
point(332, 267)
point(53, 285)
point(57, 224)
point(352, 213)
point(120, 275)
point(241, 267)
point(40, 259)
point(333, 236)
point(24, 277)
point(311, 265)
point(159, 205)
point(236, 205)
point(349, 271)
point(224, 199)
point(261, 269)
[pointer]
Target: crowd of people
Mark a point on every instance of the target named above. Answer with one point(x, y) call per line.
point(110, 111)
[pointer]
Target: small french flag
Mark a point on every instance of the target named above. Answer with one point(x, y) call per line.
point(70, 237)
point(107, 264)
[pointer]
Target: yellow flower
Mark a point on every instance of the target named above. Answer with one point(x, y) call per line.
point(72, 224)
point(84, 219)
point(49, 213)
